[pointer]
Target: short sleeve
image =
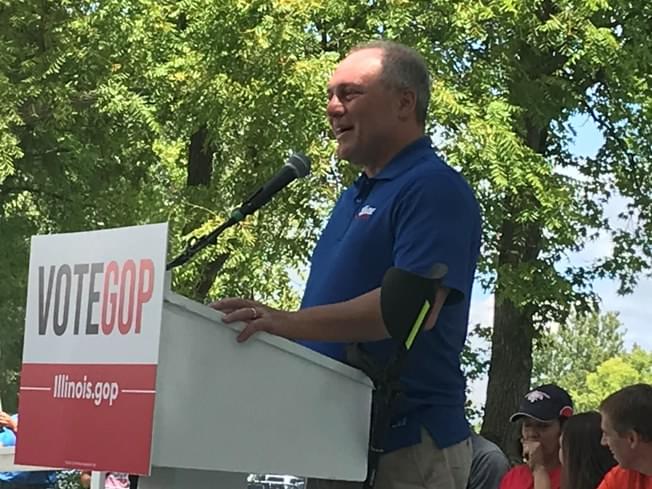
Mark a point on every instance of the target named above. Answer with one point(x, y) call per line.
point(436, 220)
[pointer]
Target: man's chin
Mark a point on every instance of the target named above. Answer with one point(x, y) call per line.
point(345, 154)
point(623, 463)
point(342, 152)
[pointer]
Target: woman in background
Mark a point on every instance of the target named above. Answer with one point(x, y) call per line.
point(584, 461)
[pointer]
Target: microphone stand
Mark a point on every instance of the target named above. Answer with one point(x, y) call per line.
point(195, 245)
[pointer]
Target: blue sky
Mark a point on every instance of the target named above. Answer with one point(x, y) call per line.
point(633, 310)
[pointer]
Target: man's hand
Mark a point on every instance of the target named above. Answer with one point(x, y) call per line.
point(6, 421)
point(533, 454)
point(256, 316)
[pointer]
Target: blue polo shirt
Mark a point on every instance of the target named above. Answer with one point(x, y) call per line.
point(416, 212)
point(43, 478)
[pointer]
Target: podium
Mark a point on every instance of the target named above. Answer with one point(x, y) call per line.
point(224, 410)
point(107, 342)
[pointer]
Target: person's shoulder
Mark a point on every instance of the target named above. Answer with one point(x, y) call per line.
point(479, 442)
point(615, 478)
point(619, 477)
point(482, 446)
point(612, 479)
point(433, 176)
point(431, 165)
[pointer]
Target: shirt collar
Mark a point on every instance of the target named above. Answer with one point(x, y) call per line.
point(400, 161)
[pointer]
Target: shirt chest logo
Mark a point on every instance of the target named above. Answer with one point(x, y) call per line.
point(366, 212)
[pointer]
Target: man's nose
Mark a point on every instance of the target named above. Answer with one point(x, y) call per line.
point(334, 107)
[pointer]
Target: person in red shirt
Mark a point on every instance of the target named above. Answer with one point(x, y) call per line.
point(542, 413)
point(627, 431)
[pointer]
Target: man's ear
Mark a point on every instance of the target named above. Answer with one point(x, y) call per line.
point(633, 439)
point(407, 104)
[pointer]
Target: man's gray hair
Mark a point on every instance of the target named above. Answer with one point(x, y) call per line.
point(403, 69)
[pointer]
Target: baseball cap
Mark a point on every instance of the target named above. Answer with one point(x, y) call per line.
point(545, 403)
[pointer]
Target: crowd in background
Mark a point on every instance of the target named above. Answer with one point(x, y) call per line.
point(561, 449)
point(609, 449)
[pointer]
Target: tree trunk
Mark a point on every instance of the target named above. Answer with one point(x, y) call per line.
point(509, 373)
point(208, 273)
point(200, 159)
point(200, 172)
point(513, 332)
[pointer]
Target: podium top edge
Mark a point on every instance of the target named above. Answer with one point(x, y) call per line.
point(275, 341)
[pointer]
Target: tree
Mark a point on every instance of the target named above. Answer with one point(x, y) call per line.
point(180, 106)
point(566, 355)
point(116, 113)
point(587, 357)
point(613, 374)
point(250, 80)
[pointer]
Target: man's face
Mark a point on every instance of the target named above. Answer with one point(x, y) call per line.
point(545, 432)
point(619, 445)
point(362, 111)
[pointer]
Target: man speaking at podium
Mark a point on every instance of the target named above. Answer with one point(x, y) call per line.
point(407, 209)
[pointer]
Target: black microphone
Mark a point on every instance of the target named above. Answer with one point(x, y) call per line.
point(297, 166)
